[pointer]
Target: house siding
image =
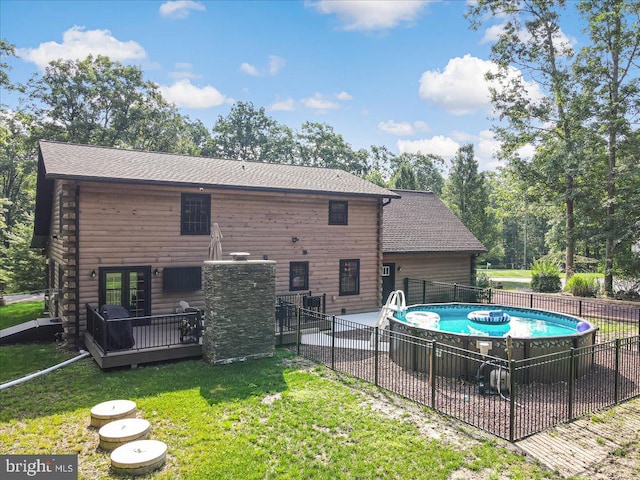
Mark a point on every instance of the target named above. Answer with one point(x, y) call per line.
point(139, 225)
point(62, 252)
point(437, 267)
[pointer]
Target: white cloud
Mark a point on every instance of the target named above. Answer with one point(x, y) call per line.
point(421, 126)
point(370, 14)
point(286, 105)
point(183, 71)
point(462, 89)
point(319, 103)
point(439, 145)
point(402, 129)
point(343, 96)
point(180, 8)
point(276, 64)
point(77, 44)
point(249, 69)
point(183, 74)
point(184, 94)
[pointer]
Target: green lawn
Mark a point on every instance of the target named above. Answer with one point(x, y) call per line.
point(274, 418)
point(495, 273)
point(15, 313)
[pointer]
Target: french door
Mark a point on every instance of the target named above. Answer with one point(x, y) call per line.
point(128, 287)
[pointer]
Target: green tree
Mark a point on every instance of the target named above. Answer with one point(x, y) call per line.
point(609, 71)
point(320, 146)
point(467, 195)
point(100, 102)
point(24, 268)
point(531, 40)
point(405, 177)
point(18, 160)
point(427, 170)
point(6, 50)
point(247, 133)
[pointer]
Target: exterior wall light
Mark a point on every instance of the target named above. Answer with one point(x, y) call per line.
point(93, 274)
point(295, 239)
point(156, 272)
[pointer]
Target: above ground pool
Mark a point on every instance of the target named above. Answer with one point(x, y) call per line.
point(485, 329)
point(492, 320)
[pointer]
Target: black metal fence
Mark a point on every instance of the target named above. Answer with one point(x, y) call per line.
point(510, 399)
point(614, 320)
point(138, 333)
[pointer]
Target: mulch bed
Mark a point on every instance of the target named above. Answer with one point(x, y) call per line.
point(536, 406)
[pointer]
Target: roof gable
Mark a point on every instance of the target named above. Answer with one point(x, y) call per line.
point(420, 222)
point(85, 162)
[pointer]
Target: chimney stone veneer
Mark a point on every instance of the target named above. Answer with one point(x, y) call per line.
point(239, 317)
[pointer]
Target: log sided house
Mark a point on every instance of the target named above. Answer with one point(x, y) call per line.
point(423, 239)
point(133, 228)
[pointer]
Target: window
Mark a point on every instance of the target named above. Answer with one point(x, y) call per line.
point(181, 279)
point(298, 276)
point(195, 214)
point(349, 277)
point(338, 211)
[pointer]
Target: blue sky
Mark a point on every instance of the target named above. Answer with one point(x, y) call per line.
point(404, 74)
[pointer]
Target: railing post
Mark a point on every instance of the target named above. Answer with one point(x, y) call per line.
point(531, 300)
point(424, 291)
point(376, 351)
point(579, 308)
point(455, 292)
point(512, 401)
point(406, 287)
point(490, 294)
point(333, 342)
point(572, 381)
point(432, 374)
point(298, 329)
point(616, 390)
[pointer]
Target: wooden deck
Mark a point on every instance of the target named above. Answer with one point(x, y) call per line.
point(583, 446)
point(151, 345)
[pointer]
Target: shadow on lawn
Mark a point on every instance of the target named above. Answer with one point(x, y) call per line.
point(83, 384)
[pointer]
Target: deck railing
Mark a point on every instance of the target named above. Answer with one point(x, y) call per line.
point(138, 333)
point(614, 320)
point(520, 397)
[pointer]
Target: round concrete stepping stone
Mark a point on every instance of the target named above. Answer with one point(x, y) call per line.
point(119, 432)
point(106, 412)
point(139, 457)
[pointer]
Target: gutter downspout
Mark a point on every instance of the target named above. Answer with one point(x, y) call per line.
point(77, 258)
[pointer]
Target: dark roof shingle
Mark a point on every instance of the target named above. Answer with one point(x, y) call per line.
point(86, 162)
point(420, 222)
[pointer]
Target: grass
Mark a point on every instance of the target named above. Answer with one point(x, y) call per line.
point(274, 418)
point(19, 312)
point(498, 273)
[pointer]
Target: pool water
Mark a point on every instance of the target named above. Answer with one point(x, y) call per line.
point(524, 323)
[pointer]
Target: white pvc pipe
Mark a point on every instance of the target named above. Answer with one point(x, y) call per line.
point(45, 371)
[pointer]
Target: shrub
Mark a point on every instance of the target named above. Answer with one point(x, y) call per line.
point(545, 276)
point(482, 280)
point(583, 285)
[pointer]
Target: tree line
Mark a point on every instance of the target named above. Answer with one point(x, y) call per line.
point(577, 194)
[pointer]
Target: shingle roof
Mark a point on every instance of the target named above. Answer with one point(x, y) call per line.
point(63, 160)
point(420, 222)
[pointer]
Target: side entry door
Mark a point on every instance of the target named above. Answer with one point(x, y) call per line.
point(388, 280)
